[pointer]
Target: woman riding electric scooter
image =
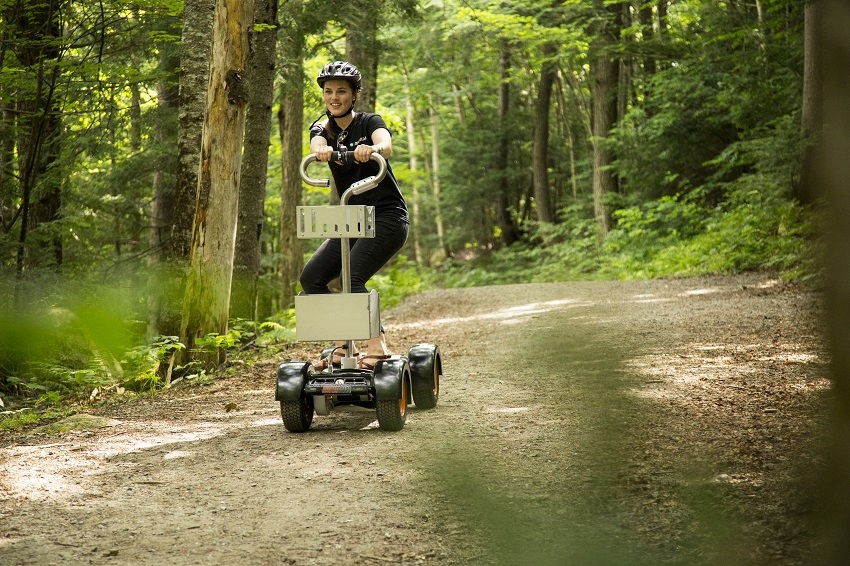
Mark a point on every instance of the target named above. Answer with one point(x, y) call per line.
point(359, 134)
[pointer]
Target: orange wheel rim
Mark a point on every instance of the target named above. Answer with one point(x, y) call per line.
point(402, 403)
point(436, 380)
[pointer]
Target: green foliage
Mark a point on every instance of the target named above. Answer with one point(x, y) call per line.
point(755, 228)
point(143, 364)
point(705, 157)
point(397, 281)
point(681, 236)
point(19, 420)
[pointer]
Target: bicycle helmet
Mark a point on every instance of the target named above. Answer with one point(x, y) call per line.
point(340, 70)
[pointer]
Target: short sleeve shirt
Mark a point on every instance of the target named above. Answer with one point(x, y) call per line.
point(386, 197)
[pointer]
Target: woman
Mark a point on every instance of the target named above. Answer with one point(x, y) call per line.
point(363, 134)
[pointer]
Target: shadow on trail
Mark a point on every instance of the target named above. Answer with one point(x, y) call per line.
point(595, 474)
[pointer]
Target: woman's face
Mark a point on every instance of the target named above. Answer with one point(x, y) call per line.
point(338, 96)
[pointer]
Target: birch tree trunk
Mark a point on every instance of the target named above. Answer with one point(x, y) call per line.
point(255, 159)
point(291, 123)
point(435, 176)
point(207, 296)
point(413, 163)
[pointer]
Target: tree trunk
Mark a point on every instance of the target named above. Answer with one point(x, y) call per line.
point(570, 135)
point(832, 177)
point(194, 75)
point(811, 125)
point(435, 176)
point(647, 30)
point(37, 29)
point(414, 167)
point(604, 78)
point(252, 186)
point(162, 203)
point(163, 309)
point(362, 49)
point(540, 149)
point(8, 188)
point(461, 109)
point(291, 123)
point(625, 67)
point(207, 296)
point(503, 210)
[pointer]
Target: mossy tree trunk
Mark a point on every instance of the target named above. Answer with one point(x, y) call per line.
point(291, 120)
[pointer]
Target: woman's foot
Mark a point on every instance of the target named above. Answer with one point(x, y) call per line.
point(338, 353)
point(370, 360)
point(376, 349)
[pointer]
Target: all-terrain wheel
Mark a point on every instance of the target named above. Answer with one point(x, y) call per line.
point(426, 367)
point(297, 415)
point(392, 413)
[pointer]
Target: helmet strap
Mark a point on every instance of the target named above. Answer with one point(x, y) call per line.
point(344, 114)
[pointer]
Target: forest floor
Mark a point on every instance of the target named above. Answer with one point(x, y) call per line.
point(644, 422)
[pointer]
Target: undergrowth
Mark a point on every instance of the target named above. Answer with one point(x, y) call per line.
point(74, 349)
point(674, 236)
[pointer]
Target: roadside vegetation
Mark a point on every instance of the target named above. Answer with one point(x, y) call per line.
point(699, 171)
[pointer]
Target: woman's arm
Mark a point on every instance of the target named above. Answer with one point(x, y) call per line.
point(382, 144)
point(319, 146)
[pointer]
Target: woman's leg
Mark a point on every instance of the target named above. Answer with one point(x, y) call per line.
point(367, 257)
point(322, 268)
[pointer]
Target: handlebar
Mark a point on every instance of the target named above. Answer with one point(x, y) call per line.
point(345, 157)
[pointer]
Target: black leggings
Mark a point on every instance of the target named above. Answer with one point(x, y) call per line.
point(368, 255)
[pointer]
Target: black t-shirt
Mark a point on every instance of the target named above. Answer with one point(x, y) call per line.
point(386, 197)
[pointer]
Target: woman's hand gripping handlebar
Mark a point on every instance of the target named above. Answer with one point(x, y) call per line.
point(344, 157)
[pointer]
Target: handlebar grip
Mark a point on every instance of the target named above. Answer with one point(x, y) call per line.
point(344, 157)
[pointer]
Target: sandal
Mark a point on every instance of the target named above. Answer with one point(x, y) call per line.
point(369, 361)
point(337, 356)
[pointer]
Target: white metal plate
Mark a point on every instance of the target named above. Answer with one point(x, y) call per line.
point(350, 221)
point(341, 316)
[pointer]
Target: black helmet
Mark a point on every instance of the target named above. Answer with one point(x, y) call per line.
point(340, 70)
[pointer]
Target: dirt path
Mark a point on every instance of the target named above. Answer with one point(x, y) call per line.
point(662, 422)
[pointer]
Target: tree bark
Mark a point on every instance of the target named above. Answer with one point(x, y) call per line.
point(163, 309)
point(604, 80)
point(255, 159)
point(435, 176)
point(811, 125)
point(194, 75)
point(162, 203)
point(207, 296)
point(362, 49)
point(37, 29)
point(291, 124)
point(540, 147)
point(461, 109)
point(832, 179)
point(413, 164)
point(503, 210)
